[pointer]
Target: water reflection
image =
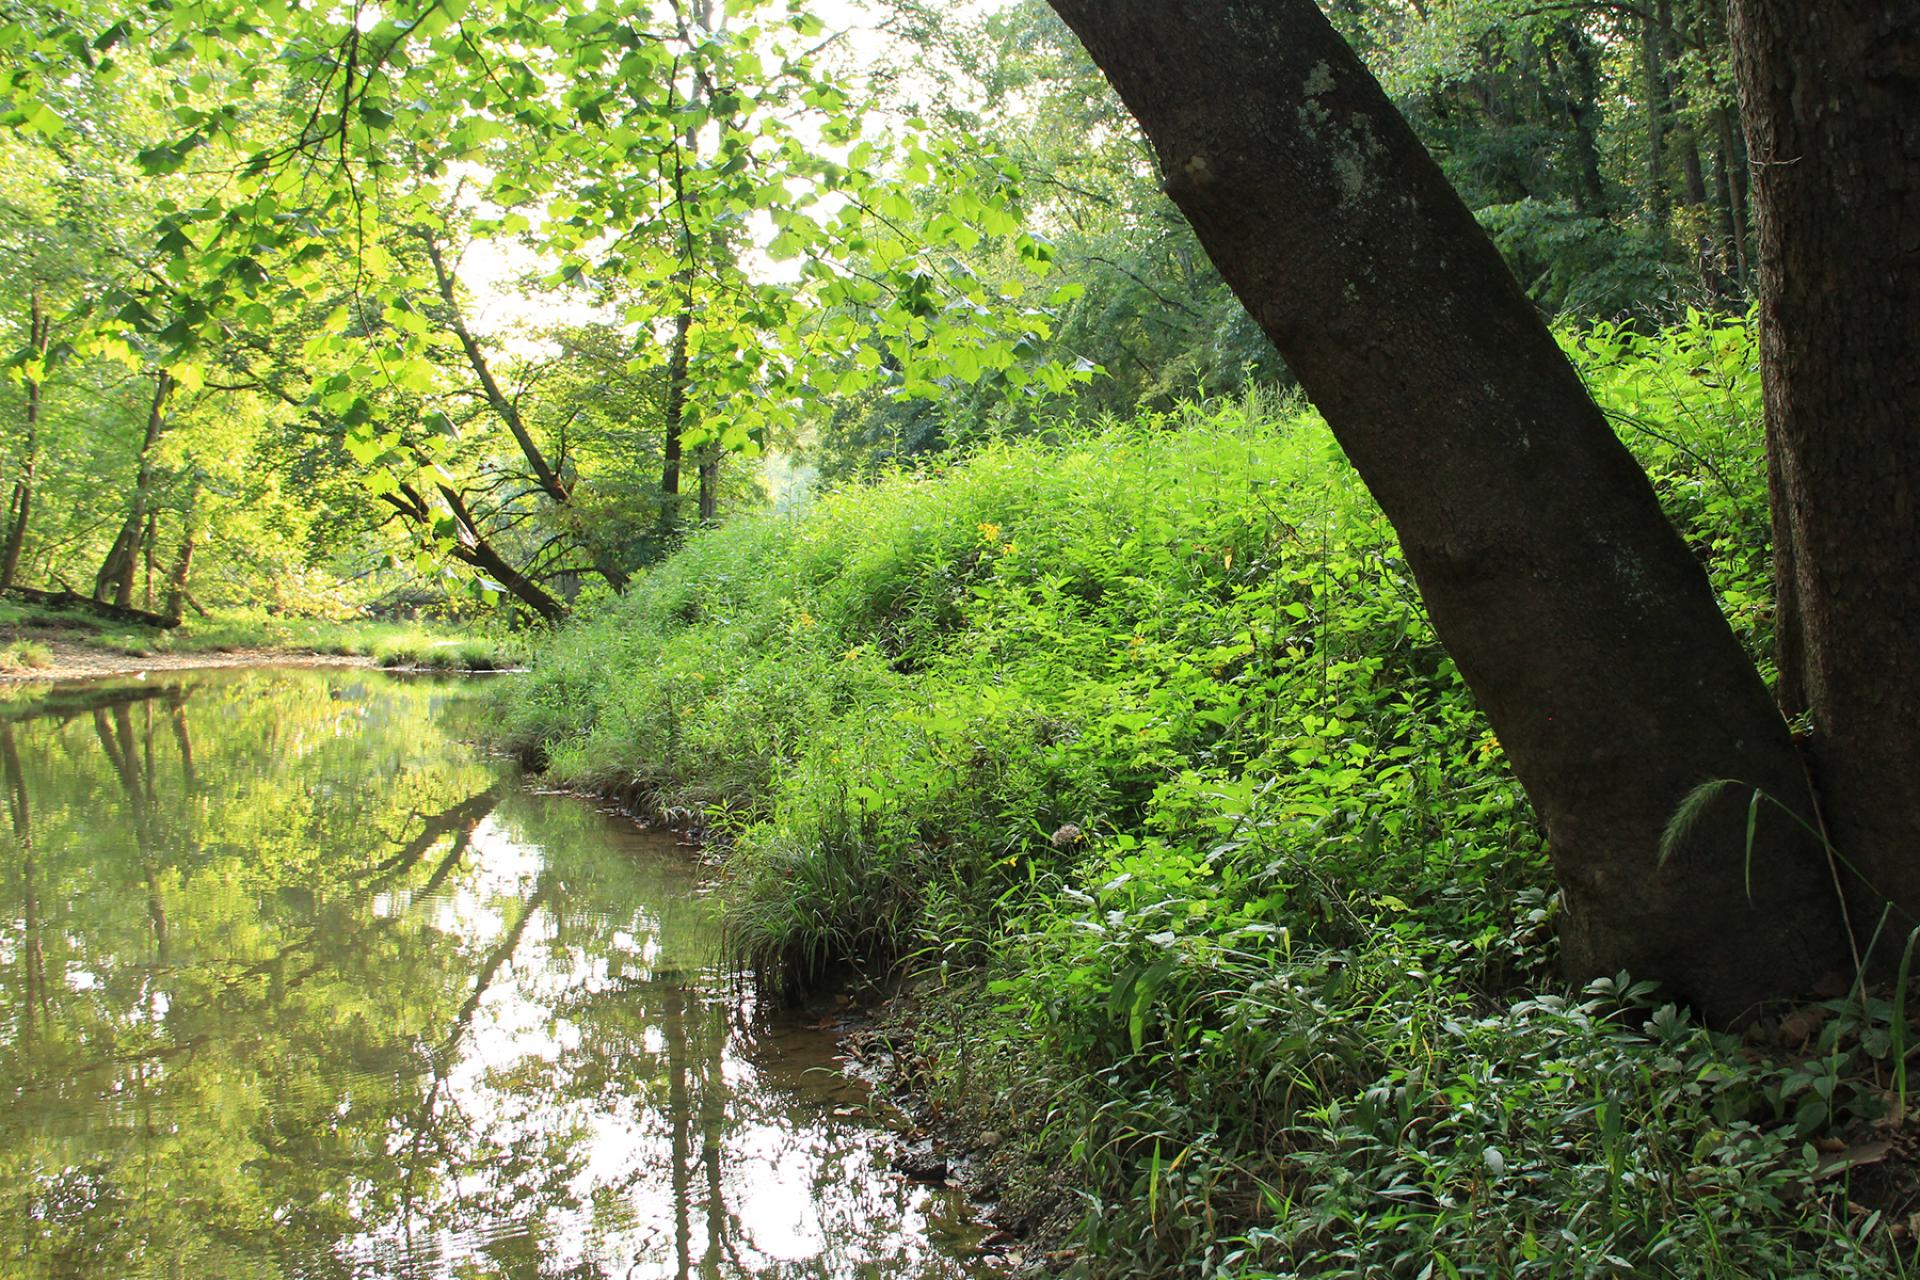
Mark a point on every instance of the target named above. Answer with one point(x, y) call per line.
point(293, 983)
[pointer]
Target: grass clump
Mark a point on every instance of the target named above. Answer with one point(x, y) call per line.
point(25, 655)
point(444, 654)
point(1138, 750)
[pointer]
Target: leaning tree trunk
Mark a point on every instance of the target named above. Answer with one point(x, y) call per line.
point(506, 408)
point(1831, 98)
point(1576, 613)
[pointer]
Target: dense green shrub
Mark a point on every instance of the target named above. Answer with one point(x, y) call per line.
point(1147, 731)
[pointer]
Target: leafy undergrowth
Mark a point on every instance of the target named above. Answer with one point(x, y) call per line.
point(1138, 750)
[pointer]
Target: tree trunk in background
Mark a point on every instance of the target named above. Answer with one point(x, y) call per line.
point(506, 409)
point(503, 407)
point(473, 547)
point(1693, 174)
point(675, 419)
point(1583, 110)
point(1653, 66)
point(709, 482)
point(1576, 613)
point(114, 583)
point(470, 546)
point(1831, 98)
point(20, 511)
point(147, 546)
point(182, 563)
point(1733, 179)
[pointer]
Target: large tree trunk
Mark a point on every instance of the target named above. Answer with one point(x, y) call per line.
point(1573, 609)
point(1831, 99)
point(21, 505)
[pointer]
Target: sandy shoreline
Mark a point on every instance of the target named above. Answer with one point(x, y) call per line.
point(74, 661)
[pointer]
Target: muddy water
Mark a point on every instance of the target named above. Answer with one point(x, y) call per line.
point(295, 982)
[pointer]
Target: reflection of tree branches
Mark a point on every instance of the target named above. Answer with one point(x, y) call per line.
point(117, 740)
point(460, 819)
point(63, 705)
point(442, 1059)
point(35, 1010)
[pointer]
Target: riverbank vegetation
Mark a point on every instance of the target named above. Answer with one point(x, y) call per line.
point(1134, 754)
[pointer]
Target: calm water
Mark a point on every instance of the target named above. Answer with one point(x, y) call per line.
point(296, 983)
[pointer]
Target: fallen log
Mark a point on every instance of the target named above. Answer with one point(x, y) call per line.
point(99, 608)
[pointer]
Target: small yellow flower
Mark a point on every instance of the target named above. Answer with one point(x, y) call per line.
point(852, 655)
point(989, 531)
point(1009, 548)
point(806, 621)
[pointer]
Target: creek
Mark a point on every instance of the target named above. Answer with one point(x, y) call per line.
point(296, 981)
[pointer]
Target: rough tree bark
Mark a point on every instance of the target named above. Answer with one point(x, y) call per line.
point(1830, 94)
point(1575, 612)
